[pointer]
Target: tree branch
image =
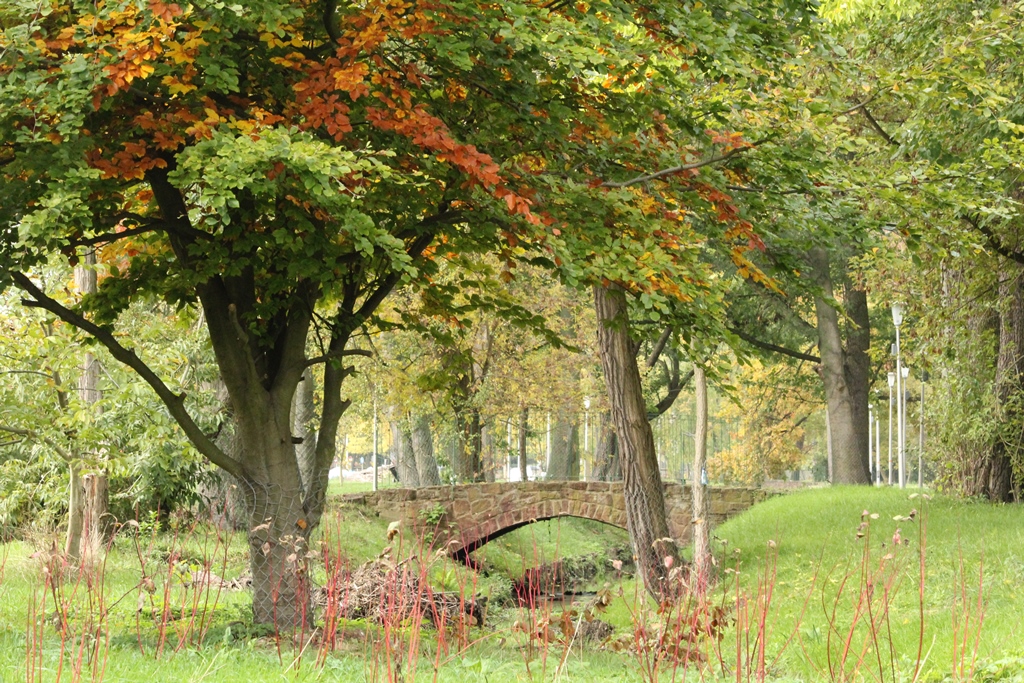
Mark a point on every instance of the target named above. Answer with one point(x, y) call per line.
point(878, 127)
point(338, 354)
point(674, 389)
point(773, 348)
point(108, 237)
point(659, 346)
point(683, 167)
point(174, 402)
point(330, 6)
point(994, 241)
point(36, 436)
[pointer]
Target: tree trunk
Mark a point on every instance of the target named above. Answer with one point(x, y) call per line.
point(606, 457)
point(93, 501)
point(278, 528)
point(76, 517)
point(468, 466)
point(1001, 483)
point(646, 520)
point(524, 416)
point(97, 507)
point(857, 367)
point(848, 419)
point(402, 455)
point(423, 450)
point(222, 495)
point(565, 449)
point(701, 523)
point(303, 419)
point(487, 460)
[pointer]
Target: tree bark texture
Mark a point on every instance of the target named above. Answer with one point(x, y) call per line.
point(701, 574)
point(487, 453)
point(1002, 484)
point(565, 448)
point(423, 450)
point(646, 521)
point(524, 418)
point(402, 455)
point(304, 429)
point(606, 456)
point(844, 374)
point(76, 517)
point(89, 520)
point(468, 465)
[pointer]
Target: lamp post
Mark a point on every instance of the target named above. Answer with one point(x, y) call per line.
point(375, 439)
point(872, 470)
point(905, 373)
point(586, 433)
point(892, 381)
point(878, 448)
point(920, 434)
point(897, 320)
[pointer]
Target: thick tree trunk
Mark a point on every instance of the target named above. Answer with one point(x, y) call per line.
point(606, 457)
point(278, 528)
point(858, 365)
point(1001, 483)
point(423, 450)
point(646, 520)
point(565, 449)
point(303, 419)
point(524, 416)
point(701, 523)
point(402, 455)
point(848, 418)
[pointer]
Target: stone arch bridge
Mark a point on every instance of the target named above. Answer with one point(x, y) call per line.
point(473, 514)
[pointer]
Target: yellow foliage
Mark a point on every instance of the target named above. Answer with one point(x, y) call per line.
point(769, 438)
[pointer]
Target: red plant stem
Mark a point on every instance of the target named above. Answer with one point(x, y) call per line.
point(920, 592)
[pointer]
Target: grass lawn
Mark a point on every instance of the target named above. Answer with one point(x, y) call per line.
point(817, 545)
point(821, 565)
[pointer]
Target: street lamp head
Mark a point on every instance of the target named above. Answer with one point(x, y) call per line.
point(897, 314)
point(586, 403)
point(892, 379)
point(906, 372)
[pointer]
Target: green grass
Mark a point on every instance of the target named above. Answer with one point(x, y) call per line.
point(814, 534)
point(336, 487)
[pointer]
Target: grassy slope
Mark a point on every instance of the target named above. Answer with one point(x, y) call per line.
point(815, 534)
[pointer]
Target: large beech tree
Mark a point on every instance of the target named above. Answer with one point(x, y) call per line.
point(284, 166)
